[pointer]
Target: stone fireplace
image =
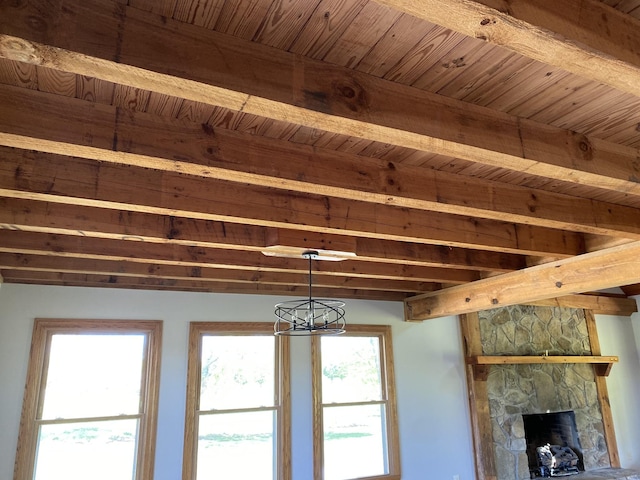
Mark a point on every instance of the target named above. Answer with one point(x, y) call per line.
point(518, 391)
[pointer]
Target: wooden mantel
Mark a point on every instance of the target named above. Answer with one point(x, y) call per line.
point(601, 364)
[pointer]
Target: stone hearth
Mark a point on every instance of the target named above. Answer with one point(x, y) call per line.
point(608, 474)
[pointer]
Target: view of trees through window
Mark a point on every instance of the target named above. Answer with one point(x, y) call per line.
point(354, 407)
point(238, 407)
point(92, 393)
point(89, 408)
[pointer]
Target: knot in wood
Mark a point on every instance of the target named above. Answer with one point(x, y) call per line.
point(36, 23)
point(351, 94)
point(19, 50)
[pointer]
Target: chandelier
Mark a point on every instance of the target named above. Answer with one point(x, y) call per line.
point(310, 316)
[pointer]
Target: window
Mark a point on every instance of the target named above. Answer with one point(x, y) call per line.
point(90, 401)
point(237, 422)
point(355, 424)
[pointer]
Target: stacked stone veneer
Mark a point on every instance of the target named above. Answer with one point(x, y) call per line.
point(515, 390)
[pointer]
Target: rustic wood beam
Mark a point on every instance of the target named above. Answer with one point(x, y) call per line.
point(603, 394)
point(55, 124)
point(631, 290)
point(158, 54)
point(29, 243)
point(585, 37)
point(52, 178)
point(481, 424)
point(115, 281)
point(63, 219)
point(583, 273)
point(121, 268)
point(599, 304)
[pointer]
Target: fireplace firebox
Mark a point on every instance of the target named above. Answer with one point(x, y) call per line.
point(553, 444)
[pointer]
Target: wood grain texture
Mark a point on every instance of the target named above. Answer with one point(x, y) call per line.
point(204, 124)
point(63, 219)
point(589, 272)
point(314, 94)
point(481, 426)
point(603, 395)
point(75, 180)
point(153, 142)
point(604, 44)
point(201, 257)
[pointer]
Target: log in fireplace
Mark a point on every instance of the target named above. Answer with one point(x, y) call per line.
point(553, 444)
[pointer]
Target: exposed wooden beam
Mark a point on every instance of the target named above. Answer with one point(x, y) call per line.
point(603, 394)
point(48, 263)
point(115, 281)
point(45, 177)
point(158, 54)
point(30, 119)
point(599, 304)
point(583, 273)
point(585, 37)
point(158, 254)
point(481, 424)
point(631, 290)
point(62, 219)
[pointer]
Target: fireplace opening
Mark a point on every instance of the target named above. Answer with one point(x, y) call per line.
point(553, 445)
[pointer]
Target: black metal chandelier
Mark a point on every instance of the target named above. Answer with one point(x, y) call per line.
point(310, 316)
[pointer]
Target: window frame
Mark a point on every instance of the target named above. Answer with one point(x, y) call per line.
point(37, 371)
point(282, 400)
point(387, 375)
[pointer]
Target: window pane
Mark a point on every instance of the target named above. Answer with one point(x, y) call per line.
point(237, 372)
point(350, 369)
point(79, 451)
point(93, 375)
point(354, 442)
point(237, 445)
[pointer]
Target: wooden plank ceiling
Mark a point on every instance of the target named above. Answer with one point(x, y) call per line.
point(470, 153)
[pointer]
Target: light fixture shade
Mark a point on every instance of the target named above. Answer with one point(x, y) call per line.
point(310, 316)
point(319, 316)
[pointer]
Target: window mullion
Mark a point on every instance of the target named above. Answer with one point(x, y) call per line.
point(62, 421)
point(355, 404)
point(237, 410)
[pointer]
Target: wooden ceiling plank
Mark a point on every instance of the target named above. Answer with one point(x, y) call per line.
point(79, 128)
point(41, 217)
point(179, 59)
point(373, 21)
point(52, 178)
point(426, 53)
point(191, 256)
point(242, 18)
point(325, 26)
point(204, 14)
point(585, 37)
point(584, 273)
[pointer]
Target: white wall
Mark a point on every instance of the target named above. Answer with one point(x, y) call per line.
point(432, 405)
point(623, 383)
